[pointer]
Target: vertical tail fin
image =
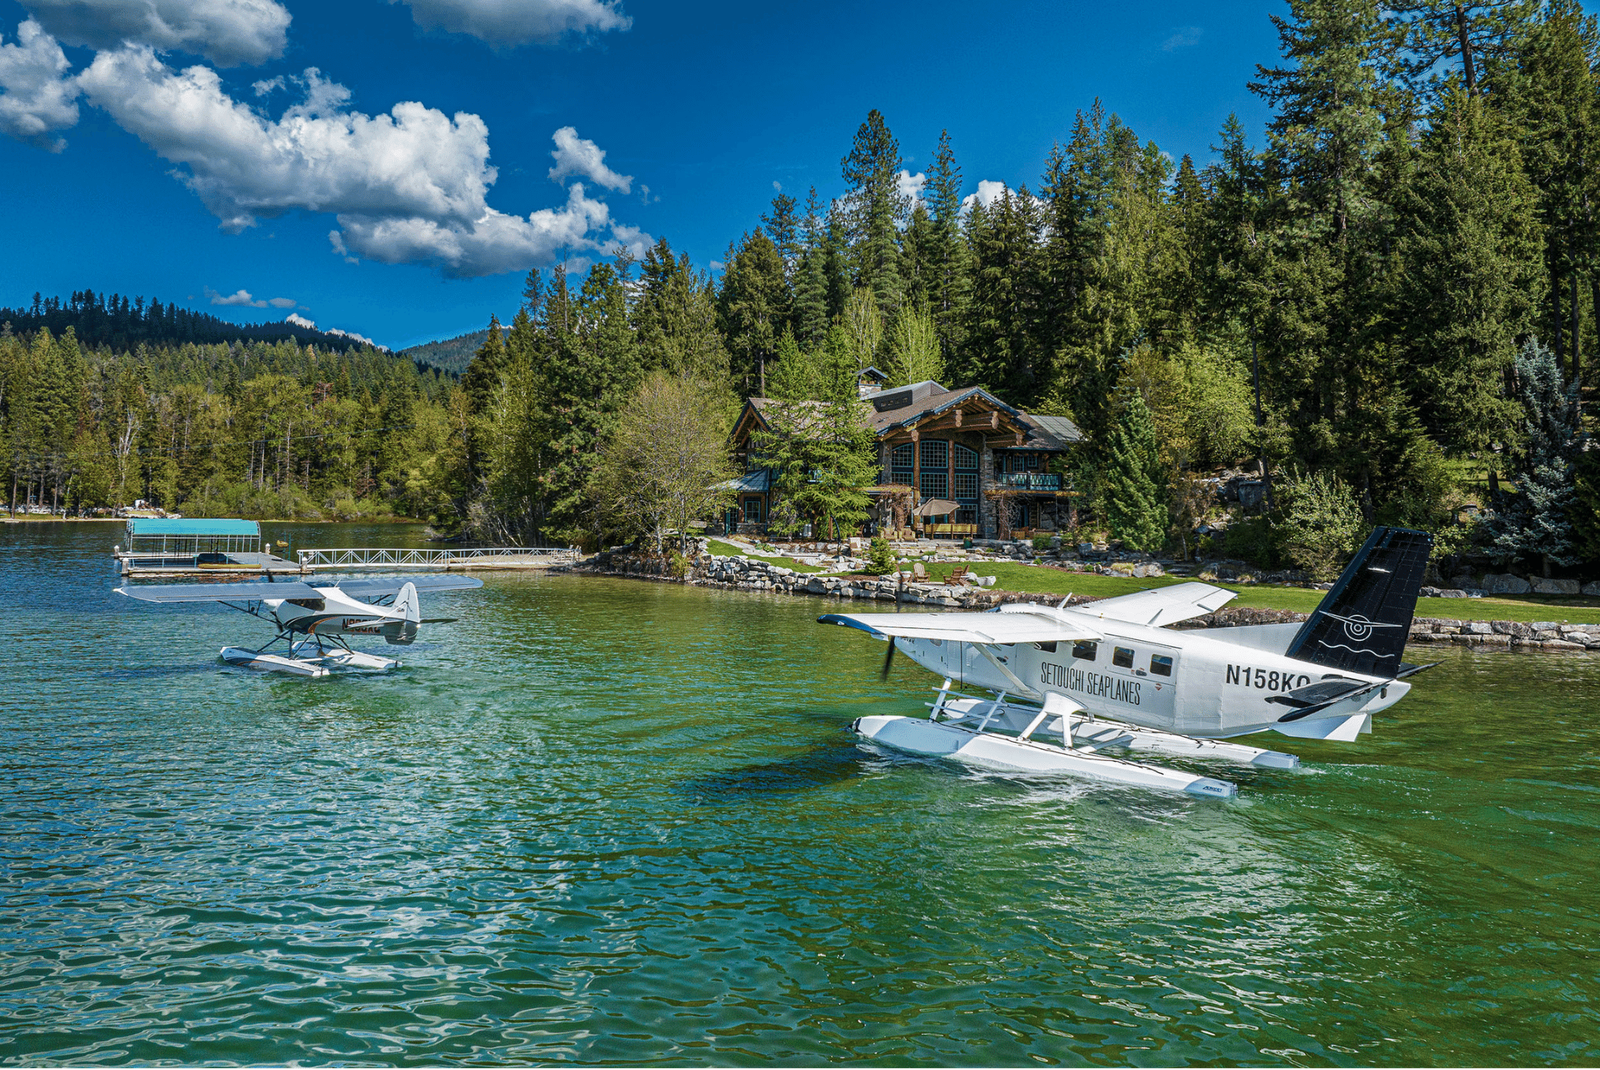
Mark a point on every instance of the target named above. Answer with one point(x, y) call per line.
point(405, 602)
point(1362, 624)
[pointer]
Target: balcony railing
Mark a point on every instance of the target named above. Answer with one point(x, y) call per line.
point(1031, 480)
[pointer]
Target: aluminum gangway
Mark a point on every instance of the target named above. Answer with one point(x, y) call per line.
point(481, 557)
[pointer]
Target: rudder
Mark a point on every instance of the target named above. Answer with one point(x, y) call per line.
point(1362, 623)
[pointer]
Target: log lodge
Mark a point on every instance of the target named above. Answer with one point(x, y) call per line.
point(952, 464)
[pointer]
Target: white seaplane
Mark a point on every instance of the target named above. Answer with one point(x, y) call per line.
point(1110, 675)
point(313, 618)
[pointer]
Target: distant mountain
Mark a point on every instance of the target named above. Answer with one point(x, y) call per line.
point(114, 321)
point(452, 354)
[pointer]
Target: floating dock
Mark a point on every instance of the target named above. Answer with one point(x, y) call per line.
point(167, 546)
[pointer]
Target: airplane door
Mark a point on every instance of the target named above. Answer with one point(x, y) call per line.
point(1153, 668)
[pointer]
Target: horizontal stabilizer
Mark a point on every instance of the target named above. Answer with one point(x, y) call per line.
point(989, 628)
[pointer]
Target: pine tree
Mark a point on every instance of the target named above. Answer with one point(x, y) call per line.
point(874, 210)
point(1001, 352)
point(949, 279)
point(1537, 519)
point(1468, 275)
point(753, 305)
point(810, 312)
point(1133, 479)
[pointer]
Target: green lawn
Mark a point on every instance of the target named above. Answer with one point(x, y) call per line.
point(719, 548)
point(1040, 579)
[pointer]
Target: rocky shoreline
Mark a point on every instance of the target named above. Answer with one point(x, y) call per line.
point(747, 574)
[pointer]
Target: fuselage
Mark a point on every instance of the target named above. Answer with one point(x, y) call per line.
point(335, 613)
point(1189, 682)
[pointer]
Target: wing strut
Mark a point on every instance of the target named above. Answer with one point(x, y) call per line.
point(1022, 688)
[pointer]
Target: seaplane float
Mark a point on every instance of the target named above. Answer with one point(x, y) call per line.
point(313, 618)
point(1067, 686)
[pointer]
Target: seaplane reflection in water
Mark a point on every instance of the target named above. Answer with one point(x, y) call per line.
point(313, 618)
point(1112, 676)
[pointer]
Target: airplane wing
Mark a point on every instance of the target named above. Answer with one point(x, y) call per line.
point(382, 587)
point(1160, 606)
point(219, 592)
point(990, 628)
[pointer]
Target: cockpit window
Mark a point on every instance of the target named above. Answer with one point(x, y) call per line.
point(315, 604)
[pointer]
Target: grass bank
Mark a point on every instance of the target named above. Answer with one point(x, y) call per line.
point(727, 549)
point(1042, 579)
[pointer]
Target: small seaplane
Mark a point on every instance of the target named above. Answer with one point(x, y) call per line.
point(313, 618)
point(1111, 675)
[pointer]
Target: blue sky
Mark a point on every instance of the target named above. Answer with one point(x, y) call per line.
point(200, 159)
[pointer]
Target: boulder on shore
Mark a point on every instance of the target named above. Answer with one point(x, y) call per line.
point(1505, 583)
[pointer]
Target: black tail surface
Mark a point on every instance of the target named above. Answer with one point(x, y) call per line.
point(1362, 624)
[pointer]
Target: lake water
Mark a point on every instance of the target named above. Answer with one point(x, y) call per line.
point(611, 821)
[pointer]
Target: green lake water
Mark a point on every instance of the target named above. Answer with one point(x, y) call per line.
point(610, 821)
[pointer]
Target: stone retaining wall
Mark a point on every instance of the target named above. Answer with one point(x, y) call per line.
point(746, 574)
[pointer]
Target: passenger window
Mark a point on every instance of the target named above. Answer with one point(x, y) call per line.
point(1122, 657)
point(1160, 664)
point(1084, 649)
point(1048, 648)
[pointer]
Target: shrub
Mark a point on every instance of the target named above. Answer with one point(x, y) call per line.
point(880, 557)
point(1321, 523)
point(1041, 542)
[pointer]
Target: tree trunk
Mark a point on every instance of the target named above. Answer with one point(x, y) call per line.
point(1555, 307)
point(1572, 299)
point(1469, 69)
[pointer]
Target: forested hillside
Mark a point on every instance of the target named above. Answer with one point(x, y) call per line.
point(117, 323)
point(1386, 300)
point(451, 355)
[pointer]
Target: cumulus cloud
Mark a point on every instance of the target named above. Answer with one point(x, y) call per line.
point(1183, 37)
point(518, 22)
point(990, 191)
point(578, 156)
point(300, 321)
point(244, 299)
point(910, 185)
point(37, 96)
point(408, 186)
point(227, 32)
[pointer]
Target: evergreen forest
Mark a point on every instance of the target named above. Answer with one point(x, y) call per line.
point(1384, 303)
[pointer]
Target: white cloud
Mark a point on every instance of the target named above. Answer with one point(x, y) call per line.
point(227, 32)
point(488, 245)
point(990, 191)
point(408, 186)
point(636, 241)
point(353, 335)
point(300, 321)
point(517, 22)
point(577, 156)
point(39, 97)
point(1183, 37)
point(910, 185)
point(244, 299)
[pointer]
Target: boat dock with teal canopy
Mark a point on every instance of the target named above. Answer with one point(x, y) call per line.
point(183, 545)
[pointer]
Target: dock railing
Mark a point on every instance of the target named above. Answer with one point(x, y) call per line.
point(477, 557)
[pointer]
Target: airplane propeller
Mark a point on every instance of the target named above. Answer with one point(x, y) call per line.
point(438, 620)
point(888, 660)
